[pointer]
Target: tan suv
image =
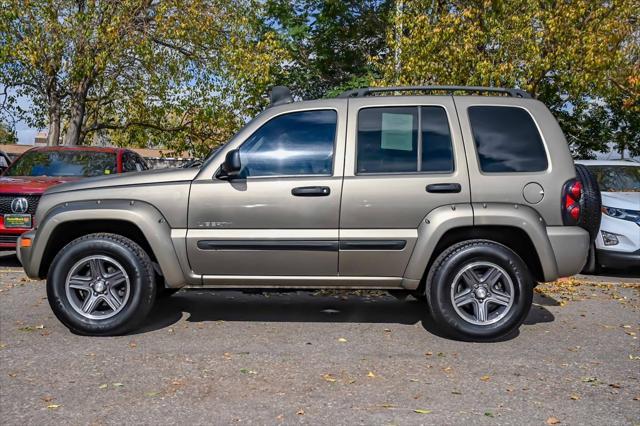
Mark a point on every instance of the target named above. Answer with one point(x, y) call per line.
point(466, 201)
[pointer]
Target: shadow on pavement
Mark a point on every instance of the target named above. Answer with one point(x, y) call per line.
point(301, 306)
point(9, 259)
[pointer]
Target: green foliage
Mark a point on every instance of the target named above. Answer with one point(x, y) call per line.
point(181, 74)
point(7, 134)
point(331, 42)
point(579, 57)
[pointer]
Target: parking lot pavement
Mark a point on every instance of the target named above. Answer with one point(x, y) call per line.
point(220, 357)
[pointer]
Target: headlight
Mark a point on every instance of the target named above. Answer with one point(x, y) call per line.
point(631, 215)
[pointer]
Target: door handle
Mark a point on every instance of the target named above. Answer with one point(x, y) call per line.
point(311, 191)
point(444, 188)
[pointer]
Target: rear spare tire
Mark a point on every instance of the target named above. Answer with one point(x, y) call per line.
point(590, 202)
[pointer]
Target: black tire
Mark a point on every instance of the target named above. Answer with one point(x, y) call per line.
point(454, 260)
point(141, 284)
point(592, 267)
point(590, 203)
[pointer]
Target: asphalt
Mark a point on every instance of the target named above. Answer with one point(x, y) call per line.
point(217, 357)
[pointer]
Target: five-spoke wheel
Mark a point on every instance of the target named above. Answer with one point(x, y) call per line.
point(97, 287)
point(479, 290)
point(101, 284)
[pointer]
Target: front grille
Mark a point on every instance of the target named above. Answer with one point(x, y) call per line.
point(6, 199)
point(8, 239)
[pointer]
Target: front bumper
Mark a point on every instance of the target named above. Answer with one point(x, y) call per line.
point(24, 254)
point(629, 261)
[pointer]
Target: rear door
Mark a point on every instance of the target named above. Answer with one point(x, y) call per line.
point(404, 158)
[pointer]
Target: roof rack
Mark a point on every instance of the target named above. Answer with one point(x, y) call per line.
point(358, 93)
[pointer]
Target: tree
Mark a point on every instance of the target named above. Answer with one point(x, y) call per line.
point(7, 134)
point(174, 72)
point(331, 42)
point(572, 55)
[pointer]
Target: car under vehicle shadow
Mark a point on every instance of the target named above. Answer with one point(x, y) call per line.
point(8, 259)
point(304, 306)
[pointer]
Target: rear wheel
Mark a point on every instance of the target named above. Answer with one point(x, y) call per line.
point(101, 284)
point(479, 290)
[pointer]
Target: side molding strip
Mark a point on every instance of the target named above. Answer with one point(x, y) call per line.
point(372, 244)
point(303, 245)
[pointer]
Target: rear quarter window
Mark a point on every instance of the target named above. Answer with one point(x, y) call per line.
point(507, 140)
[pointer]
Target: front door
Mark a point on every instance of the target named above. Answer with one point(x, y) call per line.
point(281, 217)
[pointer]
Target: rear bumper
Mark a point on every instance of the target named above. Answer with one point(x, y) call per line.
point(619, 259)
point(570, 247)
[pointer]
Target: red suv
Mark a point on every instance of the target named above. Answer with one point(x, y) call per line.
point(22, 184)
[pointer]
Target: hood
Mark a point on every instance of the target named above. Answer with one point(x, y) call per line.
point(621, 200)
point(147, 177)
point(30, 184)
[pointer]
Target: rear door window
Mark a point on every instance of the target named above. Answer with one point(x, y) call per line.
point(404, 140)
point(507, 140)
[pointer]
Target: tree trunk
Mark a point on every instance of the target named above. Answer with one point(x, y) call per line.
point(53, 138)
point(76, 117)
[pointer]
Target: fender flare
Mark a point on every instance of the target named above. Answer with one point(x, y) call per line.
point(443, 219)
point(143, 215)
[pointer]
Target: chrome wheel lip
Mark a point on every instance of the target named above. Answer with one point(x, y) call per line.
point(504, 298)
point(73, 294)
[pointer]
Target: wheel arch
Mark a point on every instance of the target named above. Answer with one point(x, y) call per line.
point(516, 226)
point(135, 220)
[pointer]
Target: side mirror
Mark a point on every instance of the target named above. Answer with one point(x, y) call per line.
point(230, 169)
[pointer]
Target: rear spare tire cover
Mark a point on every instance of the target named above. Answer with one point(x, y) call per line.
point(590, 203)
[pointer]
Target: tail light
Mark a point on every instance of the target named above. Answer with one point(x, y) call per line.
point(571, 196)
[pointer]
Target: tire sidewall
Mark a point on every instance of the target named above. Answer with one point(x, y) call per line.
point(141, 287)
point(442, 280)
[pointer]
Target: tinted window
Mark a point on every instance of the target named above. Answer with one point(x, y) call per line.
point(507, 140)
point(299, 143)
point(388, 140)
point(63, 163)
point(617, 178)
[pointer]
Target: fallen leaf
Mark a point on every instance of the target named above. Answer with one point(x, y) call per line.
point(441, 354)
point(40, 327)
point(53, 406)
point(342, 340)
point(118, 385)
point(447, 369)
point(387, 330)
point(575, 397)
point(329, 377)
point(300, 412)
point(488, 414)
point(371, 374)
point(152, 394)
point(456, 392)
point(485, 378)
point(614, 385)
point(428, 353)
point(132, 344)
point(552, 421)
point(633, 357)
point(103, 386)
point(421, 411)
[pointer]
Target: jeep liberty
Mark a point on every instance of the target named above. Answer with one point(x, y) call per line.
point(464, 196)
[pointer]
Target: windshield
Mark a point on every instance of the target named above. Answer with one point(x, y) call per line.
point(63, 163)
point(617, 178)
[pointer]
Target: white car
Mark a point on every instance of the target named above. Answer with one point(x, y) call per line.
point(617, 245)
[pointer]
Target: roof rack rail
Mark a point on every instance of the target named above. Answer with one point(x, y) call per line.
point(358, 93)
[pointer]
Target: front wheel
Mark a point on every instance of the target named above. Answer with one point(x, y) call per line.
point(101, 284)
point(479, 290)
